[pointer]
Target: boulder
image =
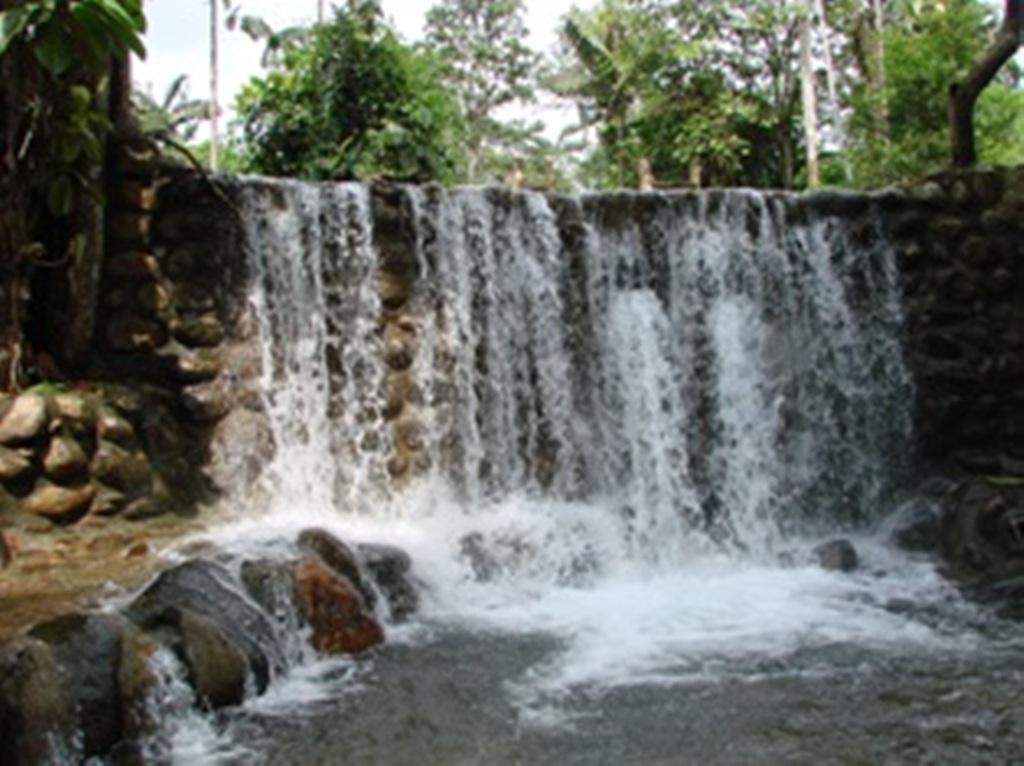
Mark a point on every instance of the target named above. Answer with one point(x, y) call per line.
point(917, 528)
point(113, 427)
point(13, 464)
point(64, 458)
point(837, 556)
point(389, 567)
point(124, 470)
point(37, 717)
point(340, 558)
point(24, 420)
point(271, 584)
point(88, 649)
point(340, 619)
point(207, 589)
point(59, 504)
point(217, 669)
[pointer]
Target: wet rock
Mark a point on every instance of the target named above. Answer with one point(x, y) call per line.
point(982, 530)
point(88, 648)
point(107, 501)
point(13, 465)
point(64, 458)
point(389, 567)
point(57, 503)
point(206, 403)
point(208, 590)
point(25, 419)
point(125, 471)
point(917, 530)
point(36, 716)
point(340, 620)
point(837, 556)
point(217, 669)
point(339, 557)
point(271, 584)
point(473, 550)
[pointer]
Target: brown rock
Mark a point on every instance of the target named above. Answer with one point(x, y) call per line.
point(155, 296)
point(124, 470)
point(64, 458)
point(192, 297)
point(24, 420)
point(338, 615)
point(7, 548)
point(13, 465)
point(206, 403)
point(73, 408)
point(59, 503)
point(136, 265)
point(197, 366)
point(393, 289)
point(129, 229)
point(136, 195)
point(112, 427)
point(107, 502)
point(205, 331)
point(133, 334)
point(338, 556)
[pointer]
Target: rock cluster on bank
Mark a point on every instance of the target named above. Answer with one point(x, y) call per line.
point(84, 685)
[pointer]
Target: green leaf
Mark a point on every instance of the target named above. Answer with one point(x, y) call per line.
point(12, 24)
point(53, 49)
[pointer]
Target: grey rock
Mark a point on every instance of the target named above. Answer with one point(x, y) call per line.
point(37, 717)
point(208, 590)
point(837, 556)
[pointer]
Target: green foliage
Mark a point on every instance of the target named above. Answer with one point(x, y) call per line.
point(691, 88)
point(350, 101)
point(72, 42)
point(926, 50)
point(488, 66)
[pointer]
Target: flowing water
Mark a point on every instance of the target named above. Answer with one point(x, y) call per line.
point(635, 416)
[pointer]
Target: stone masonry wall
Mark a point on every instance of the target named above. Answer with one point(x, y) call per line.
point(960, 240)
point(172, 415)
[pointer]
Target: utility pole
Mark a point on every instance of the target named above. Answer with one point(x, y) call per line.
point(809, 99)
point(214, 104)
point(319, 11)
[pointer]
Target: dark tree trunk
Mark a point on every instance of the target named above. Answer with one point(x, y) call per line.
point(16, 85)
point(964, 94)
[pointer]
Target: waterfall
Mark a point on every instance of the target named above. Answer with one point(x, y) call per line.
point(695, 370)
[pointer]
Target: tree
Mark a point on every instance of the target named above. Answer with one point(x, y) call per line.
point(350, 101)
point(54, 118)
point(929, 45)
point(487, 65)
point(963, 95)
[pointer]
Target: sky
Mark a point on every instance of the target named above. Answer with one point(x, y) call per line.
point(178, 42)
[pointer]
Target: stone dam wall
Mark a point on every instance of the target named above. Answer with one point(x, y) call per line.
point(174, 417)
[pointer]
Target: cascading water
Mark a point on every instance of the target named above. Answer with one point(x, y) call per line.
point(632, 411)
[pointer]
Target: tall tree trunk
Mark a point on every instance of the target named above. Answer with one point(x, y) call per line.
point(16, 89)
point(809, 100)
point(214, 101)
point(963, 95)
